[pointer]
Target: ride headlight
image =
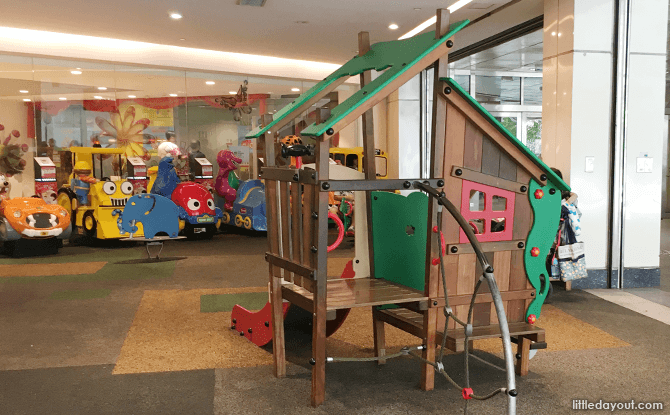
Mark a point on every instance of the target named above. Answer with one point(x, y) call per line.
point(17, 213)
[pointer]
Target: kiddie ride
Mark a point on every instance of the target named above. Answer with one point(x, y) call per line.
point(243, 204)
point(198, 215)
point(28, 225)
point(94, 193)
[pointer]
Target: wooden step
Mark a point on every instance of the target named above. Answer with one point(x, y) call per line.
point(361, 292)
point(412, 322)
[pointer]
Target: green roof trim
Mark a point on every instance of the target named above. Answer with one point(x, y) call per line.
point(395, 56)
point(551, 176)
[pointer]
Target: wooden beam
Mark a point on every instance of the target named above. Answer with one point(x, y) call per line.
point(482, 178)
point(457, 300)
point(486, 247)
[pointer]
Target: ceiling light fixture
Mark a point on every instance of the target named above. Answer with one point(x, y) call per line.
point(23, 91)
point(62, 99)
point(97, 97)
point(420, 28)
point(295, 89)
point(210, 82)
point(393, 26)
point(102, 88)
point(132, 96)
point(176, 15)
point(232, 92)
point(182, 39)
point(173, 95)
point(75, 72)
point(26, 99)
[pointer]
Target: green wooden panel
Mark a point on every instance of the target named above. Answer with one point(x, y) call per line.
point(395, 57)
point(399, 235)
point(546, 215)
point(551, 176)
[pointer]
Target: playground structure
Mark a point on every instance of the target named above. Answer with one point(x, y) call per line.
point(437, 295)
point(353, 158)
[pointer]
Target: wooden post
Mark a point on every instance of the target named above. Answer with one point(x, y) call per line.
point(523, 354)
point(320, 291)
point(432, 249)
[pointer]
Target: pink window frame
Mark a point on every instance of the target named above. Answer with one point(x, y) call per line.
point(488, 214)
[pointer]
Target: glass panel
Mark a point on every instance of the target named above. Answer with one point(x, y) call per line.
point(499, 204)
point(532, 91)
point(463, 81)
point(498, 89)
point(352, 161)
point(510, 123)
point(380, 165)
point(477, 225)
point(497, 225)
point(476, 201)
point(534, 134)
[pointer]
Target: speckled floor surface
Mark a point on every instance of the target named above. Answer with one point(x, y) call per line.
point(65, 338)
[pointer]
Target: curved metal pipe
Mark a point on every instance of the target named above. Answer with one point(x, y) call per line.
point(493, 286)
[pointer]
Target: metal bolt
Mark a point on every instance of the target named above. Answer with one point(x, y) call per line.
point(375, 197)
point(325, 186)
point(241, 333)
point(520, 245)
point(532, 294)
point(234, 321)
point(552, 191)
point(313, 175)
point(267, 324)
point(489, 269)
point(543, 177)
point(365, 92)
point(518, 356)
point(454, 249)
point(232, 327)
point(523, 188)
point(440, 183)
point(450, 43)
point(458, 172)
point(249, 330)
point(513, 392)
point(447, 90)
point(315, 215)
point(442, 194)
point(330, 131)
point(296, 177)
point(312, 361)
point(435, 303)
point(313, 249)
point(404, 64)
point(407, 184)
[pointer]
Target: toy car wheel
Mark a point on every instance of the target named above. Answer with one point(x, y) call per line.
point(226, 218)
point(89, 224)
point(67, 200)
point(247, 222)
point(239, 221)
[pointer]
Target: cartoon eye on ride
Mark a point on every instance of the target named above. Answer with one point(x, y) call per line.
point(109, 188)
point(193, 204)
point(210, 204)
point(126, 188)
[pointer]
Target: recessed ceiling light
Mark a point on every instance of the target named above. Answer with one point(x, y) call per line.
point(176, 16)
point(173, 95)
point(417, 8)
point(132, 96)
point(24, 91)
point(102, 88)
point(295, 89)
point(62, 99)
point(420, 28)
point(393, 26)
point(26, 99)
point(232, 92)
point(182, 39)
point(97, 97)
point(210, 82)
point(75, 72)
point(301, 21)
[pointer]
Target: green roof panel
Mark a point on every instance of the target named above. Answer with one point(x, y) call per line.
point(395, 57)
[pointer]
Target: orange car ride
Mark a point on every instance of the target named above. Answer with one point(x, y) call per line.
point(32, 218)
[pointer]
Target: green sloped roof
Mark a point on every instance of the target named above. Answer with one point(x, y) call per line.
point(395, 56)
point(553, 177)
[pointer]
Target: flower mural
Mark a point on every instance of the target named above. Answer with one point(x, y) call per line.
point(127, 132)
point(11, 154)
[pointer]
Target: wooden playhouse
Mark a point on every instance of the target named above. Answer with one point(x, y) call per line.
point(508, 197)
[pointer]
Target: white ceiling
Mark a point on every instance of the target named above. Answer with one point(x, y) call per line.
point(330, 34)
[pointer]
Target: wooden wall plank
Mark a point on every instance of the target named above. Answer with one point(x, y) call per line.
point(472, 155)
point(490, 157)
point(501, 272)
point(507, 167)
